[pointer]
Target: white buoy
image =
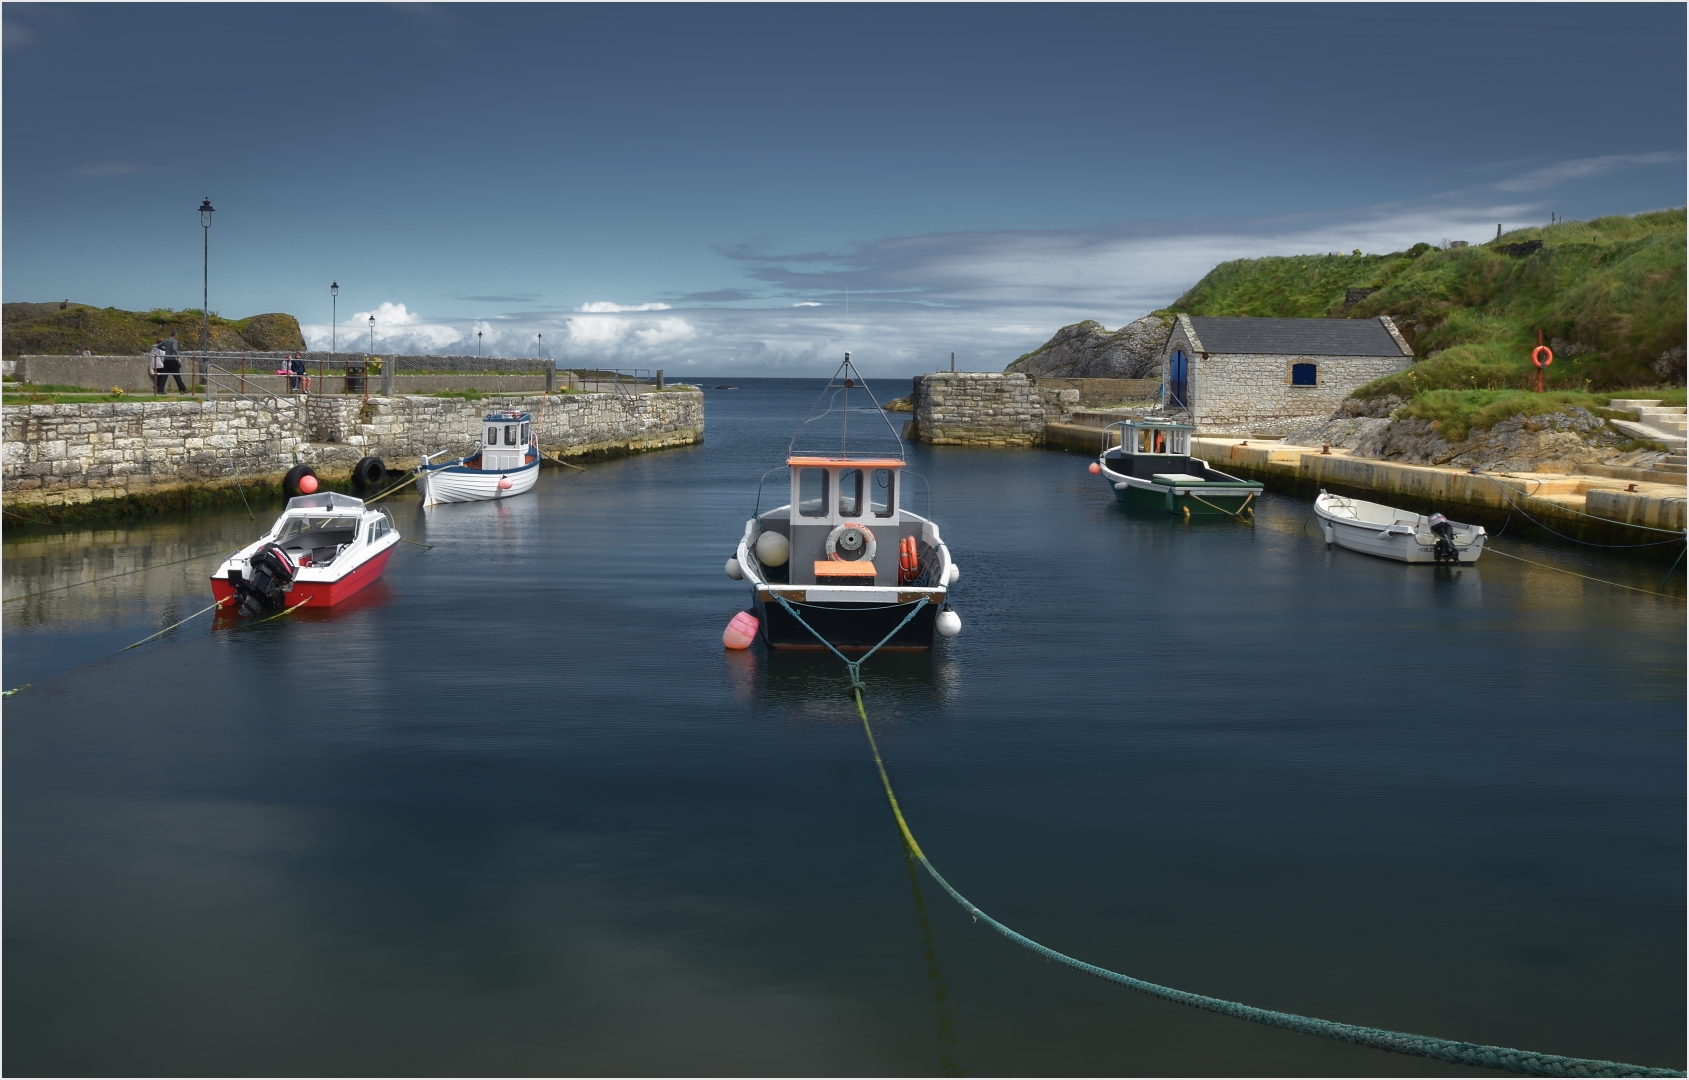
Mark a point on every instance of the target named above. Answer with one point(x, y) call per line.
point(773, 549)
point(948, 623)
point(952, 575)
point(734, 570)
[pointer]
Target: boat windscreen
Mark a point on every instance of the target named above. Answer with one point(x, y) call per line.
point(327, 500)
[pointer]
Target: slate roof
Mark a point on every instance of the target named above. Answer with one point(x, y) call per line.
point(1294, 337)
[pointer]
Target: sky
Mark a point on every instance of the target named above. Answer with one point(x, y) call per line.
point(753, 190)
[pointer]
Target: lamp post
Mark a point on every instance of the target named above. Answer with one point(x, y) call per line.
point(477, 343)
point(334, 334)
point(205, 212)
point(372, 335)
point(539, 345)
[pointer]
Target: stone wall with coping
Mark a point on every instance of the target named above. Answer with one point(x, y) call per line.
point(984, 409)
point(59, 455)
point(132, 374)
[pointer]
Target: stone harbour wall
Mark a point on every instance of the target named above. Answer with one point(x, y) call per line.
point(65, 455)
point(984, 409)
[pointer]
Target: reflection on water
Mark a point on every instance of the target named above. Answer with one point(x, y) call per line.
point(516, 809)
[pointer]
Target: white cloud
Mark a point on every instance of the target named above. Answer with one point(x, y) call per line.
point(607, 306)
point(807, 303)
point(397, 329)
point(1584, 169)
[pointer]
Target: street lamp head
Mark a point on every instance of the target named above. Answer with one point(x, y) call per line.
point(205, 211)
point(334, 289)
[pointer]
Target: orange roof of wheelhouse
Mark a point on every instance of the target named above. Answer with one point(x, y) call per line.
point(876, 463)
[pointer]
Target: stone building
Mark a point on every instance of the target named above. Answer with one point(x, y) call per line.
point(1271, 376)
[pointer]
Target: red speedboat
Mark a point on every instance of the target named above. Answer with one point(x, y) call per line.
point(324, 548)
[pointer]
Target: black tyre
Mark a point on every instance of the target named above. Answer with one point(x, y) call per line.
point(290, 484)
point(368, 473)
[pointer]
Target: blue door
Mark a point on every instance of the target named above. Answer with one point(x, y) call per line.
point(1178, 381)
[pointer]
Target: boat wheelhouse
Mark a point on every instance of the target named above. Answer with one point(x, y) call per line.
point(507, 464)
point(1153, 468)
point(324, 548)
point(845, 562)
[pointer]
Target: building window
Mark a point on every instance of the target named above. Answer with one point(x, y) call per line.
point(1178, 380)
point(1304, 375)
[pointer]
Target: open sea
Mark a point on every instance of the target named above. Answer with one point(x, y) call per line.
point(516, 811)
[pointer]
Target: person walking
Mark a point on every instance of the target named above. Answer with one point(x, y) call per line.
point(172, 364)
point(155, 364)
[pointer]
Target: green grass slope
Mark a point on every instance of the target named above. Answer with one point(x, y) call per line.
point(67, 328)
point(1607, 294)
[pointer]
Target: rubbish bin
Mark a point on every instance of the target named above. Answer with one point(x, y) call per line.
point(354, 378)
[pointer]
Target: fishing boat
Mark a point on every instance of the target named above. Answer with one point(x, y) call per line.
point(1152, 468)
point(507, 464)
point(1375, 529)
point(323, 549)
point(845, 563)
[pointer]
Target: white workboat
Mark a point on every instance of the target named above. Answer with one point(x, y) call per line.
point(844, 564)
point(1375, 529)
point(507, 464)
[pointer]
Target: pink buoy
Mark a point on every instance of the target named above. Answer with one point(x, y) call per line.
point(1095, 468)
point(504, 483)
point(741, 631)
point(308, 484)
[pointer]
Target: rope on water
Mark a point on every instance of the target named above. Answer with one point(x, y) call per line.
point(1586, 577)
point(1503, 1058)
point(171, 627)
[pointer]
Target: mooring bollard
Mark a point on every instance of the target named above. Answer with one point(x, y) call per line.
point(551, 376)
point(659, 378)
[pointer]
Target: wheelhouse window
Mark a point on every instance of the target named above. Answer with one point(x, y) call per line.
point(510, 434)
point(812, 492)
point(1304, 375)
point(492, 436)
point(525, 438)
point(1146, 441)
point(850, 492)
point(882, 496)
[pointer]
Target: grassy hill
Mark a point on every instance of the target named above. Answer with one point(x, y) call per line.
point(67, 328)
point(1607, 294)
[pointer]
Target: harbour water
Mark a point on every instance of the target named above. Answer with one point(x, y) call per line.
point(518, 812)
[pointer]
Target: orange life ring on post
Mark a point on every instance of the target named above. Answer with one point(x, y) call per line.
point(1542, 356)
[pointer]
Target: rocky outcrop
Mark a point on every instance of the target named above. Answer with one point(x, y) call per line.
point(1546, 442)
point(1087, 350)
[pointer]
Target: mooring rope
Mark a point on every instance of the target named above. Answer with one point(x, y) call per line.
point(1586, 577)
point(1508, 493)
point(1239, 515)
point(1503, 1058)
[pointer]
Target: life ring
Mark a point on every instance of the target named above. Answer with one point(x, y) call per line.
point(857, 541)
point(1542, 356)
point(908, 560)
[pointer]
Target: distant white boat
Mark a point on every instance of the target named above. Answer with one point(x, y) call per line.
point(1375, 529)
point(508, 464)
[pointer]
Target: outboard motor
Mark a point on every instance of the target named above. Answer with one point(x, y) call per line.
point(266, 588)
point(1443, 529)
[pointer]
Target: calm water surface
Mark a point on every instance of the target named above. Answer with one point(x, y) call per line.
point(517, 812)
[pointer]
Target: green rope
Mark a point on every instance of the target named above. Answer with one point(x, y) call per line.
point(1503, 1058)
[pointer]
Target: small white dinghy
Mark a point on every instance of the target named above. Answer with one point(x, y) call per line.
point(1375, 529)
point(507, 464)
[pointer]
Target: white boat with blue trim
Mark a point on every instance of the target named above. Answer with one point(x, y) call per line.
point(507, 464)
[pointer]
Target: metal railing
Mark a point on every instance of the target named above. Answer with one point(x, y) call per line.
point(221, 380)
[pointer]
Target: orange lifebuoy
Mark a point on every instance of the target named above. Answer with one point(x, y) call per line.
point(1542, 356)
point(908, 560)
